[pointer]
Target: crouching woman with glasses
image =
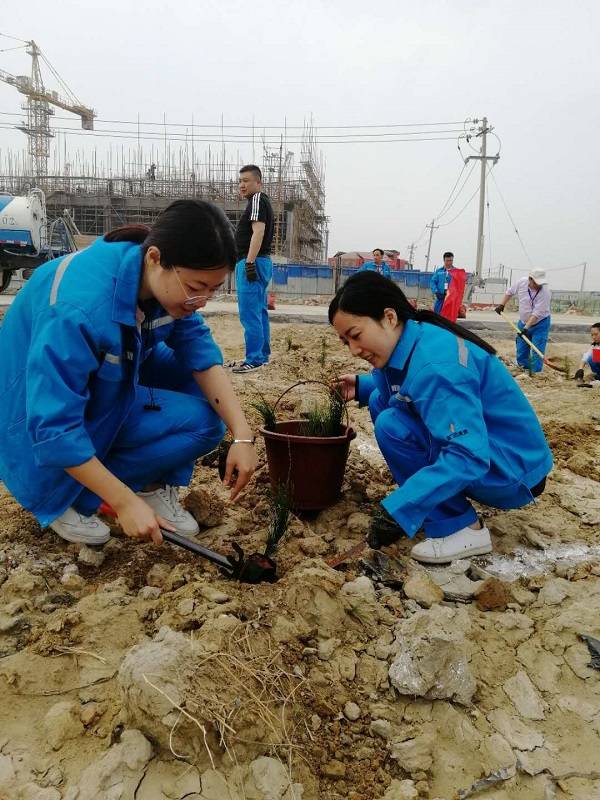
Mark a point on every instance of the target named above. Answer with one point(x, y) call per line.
point(111, 386)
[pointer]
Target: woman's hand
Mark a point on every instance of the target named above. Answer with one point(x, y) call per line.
point(139, 521)
point(239, 467)
point(346, 386)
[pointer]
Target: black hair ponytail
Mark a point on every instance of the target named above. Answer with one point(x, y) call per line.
point(128, 233)
point(368, 294)
point(194, 234)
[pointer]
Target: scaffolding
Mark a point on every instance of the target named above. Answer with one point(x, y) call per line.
point(122, 186)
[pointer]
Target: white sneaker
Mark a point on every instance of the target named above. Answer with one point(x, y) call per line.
point(74, 527)
point(462, 544)
point(165, 502)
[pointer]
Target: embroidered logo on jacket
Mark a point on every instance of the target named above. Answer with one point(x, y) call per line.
point(454, 433)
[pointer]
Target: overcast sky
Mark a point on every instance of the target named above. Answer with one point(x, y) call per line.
point(531, 66)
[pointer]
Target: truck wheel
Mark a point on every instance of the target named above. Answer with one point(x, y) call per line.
point(5, 276)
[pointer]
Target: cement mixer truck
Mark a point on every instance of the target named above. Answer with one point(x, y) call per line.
point(27, 238)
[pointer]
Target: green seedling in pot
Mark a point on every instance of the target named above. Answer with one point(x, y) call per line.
point(266, 411)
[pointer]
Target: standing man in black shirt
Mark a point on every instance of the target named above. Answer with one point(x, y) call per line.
point(254, 269)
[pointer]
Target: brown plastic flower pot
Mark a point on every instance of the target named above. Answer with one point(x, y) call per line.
point(313, 466)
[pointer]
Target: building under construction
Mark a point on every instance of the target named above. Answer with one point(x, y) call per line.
point(97, 202)
point(102, 190)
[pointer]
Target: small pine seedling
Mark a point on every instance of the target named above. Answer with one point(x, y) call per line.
point(323, 354)
point(281, 500)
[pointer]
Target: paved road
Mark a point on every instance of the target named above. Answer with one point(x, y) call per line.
point(565, 327)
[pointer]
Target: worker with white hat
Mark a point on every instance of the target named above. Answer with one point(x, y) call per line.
point(533, 297)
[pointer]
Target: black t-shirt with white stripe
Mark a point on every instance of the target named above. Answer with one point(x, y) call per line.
point(259, 209)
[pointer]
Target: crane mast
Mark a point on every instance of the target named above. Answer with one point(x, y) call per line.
point(40, 105)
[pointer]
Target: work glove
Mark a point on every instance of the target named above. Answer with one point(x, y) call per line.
point(578, 375)
point(499, 309)
point(251, 273)
point(383, 530)
point(523, 332)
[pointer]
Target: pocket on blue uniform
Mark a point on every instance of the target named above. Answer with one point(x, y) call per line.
point(110, 371)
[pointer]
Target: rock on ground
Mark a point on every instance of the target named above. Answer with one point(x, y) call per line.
point(117, 773)
point(525, 696)
point(413, 755)
point(516, 733)
point(421, 587)
point(207, 509)
point(161, 661)
point(62, 723)
point(272, 780)
point(492, 595)
point(351, 711)
point(432, 656)
point(91, 557)
point(401, 790)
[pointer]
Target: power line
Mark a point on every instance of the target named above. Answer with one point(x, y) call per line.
point(217, 139)
point(14, 38)
point(244, 137)
point(258, 127)
point(469, 201)
point(563, 269)
point(514, 224)
point(416, 241)
point(466, 180)
point(489, 233)
point(464, 166)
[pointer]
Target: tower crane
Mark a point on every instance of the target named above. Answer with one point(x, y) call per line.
point(40, 105)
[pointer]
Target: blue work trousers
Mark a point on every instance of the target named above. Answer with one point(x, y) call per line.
point(439, 302)
point(252, 304)
point(160, 446)
point(407, 447)
point(537, 335)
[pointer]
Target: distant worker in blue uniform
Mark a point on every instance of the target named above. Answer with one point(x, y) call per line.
point(591, 358)
point(440, 282)
point(111, 385)
point(534, 299)
point(377, 265)
point(254, 269)
point(451, 422)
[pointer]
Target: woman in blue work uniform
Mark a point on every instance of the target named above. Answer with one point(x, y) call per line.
point(111, 386)
point(450, 421)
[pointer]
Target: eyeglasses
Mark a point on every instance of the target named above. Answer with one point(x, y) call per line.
point(199, 300)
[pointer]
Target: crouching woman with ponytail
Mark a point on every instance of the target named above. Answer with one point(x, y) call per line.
point(451, 422)
point(111, 386)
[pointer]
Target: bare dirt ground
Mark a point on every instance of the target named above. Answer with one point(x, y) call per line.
point(143, 673)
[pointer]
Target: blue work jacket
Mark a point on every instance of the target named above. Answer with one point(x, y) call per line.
point(484, 437)
point(371, 266)
point(440, 281)
point(71, 351)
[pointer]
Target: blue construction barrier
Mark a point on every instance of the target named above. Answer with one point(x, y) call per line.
point(304, 280)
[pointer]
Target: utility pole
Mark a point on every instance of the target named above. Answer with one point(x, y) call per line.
point(279, 222)
point(433, 227)
point(583, 277)
point(411, 256)
point(484, 158)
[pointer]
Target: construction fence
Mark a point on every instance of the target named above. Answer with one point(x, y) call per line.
point(321, 281)
point(297, 282)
